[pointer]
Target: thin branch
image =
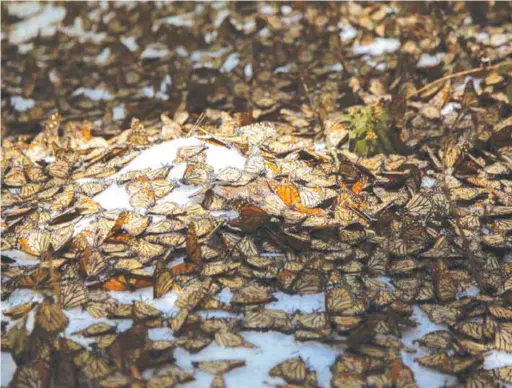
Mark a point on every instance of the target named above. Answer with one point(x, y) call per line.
point(455, 75)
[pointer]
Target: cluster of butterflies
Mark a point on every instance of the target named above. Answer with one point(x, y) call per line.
point(304, 225)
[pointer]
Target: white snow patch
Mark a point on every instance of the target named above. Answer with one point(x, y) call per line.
point(231, 62)
point(44, 22)
point(77, 31)
point(8, 368)
point(428, 181)
point(476, 81)
point(468, 292)
point(497, 359)
point(129, 41)
point(179, 20)
point(449, 108)
point(116, 197)
point(378, 47)
point(22, 104)
point(160, 334)
point(428, 60)
point(347, 32)
point(293, 303)
point(21, 258)
point(93, 94)
point(150, 52)
point(102, 57)
point(320, 146)
point(271, 349)
point(248, 70)
point(425, 377)
point(166, 303)
point(119, 112)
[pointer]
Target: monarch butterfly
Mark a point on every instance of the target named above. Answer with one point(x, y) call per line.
point(35, 242)
point(294, 371)
point(313, 196)
point(19, 311)
point(473, 348)
point(72, 294)
point(503, 374)
point(116, 381)
point(268, 320)
point(178, 321)
point(471, 329)
point(255, 164)
point(92, 188)
point(419, 205)
point(230, 175)
point(15, 177)
point(143, 196)
point(345, 323)
point(218, 382)
point(91, 262)
point(438, 340)
point(61, 236)
point(341, 380)
point(38, 278)
point(146, 250)
point(166, 226)
point(31, 375)
point(143, 311)
point(289, 194)
point(231, 340)
point(192, 245)
point(35, 173)
point(218, 268)
point(446, 363)
point(194, 345)
point(193, 154)
point(127, 282)
point(164, 208)
point(481, 379)
point(50, 317)
point(60, 168)
point(94, 367)
point(135, 224)
point(138, 135)
point(63, 200)
point(86, 205)
point(257, 133)
point(96, 329)
point(340, 300)
point(307, 283)
point(503, 338)
point(312, 321)
point(250, 218)
point(378, 262)
point(252, 294)
point(501, 312)
point(198, 174)
point(218, 367)
point(441, 314)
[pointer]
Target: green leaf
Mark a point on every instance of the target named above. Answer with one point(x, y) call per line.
point(369, 130)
